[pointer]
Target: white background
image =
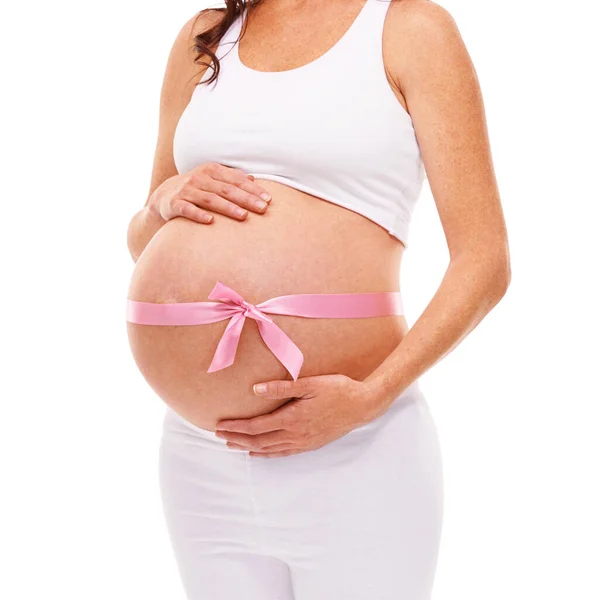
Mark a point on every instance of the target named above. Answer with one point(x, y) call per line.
point(79, 428)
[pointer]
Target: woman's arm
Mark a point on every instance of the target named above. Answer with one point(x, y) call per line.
point(427, 60)
point(174, 97)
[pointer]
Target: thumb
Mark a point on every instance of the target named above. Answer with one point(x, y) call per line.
point(275, 390)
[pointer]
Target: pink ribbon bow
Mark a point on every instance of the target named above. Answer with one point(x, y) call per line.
point(239, 309)
point(232, 304)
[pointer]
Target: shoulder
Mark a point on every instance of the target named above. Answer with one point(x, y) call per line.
point(205, 19)
point(420, 35)
point(181, 64)
point(420, 21)
point(420, 13)
point(199, 23)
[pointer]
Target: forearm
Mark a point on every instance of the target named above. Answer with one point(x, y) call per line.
point(144, 224)
point(468, 291)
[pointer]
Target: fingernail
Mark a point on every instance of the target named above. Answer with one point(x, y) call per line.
point(266, 196)
point(260, 388)
point(260, 205)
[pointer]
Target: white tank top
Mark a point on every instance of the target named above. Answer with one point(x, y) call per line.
point(332, 128)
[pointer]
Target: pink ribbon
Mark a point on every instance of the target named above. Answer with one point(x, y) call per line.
point(232, 305)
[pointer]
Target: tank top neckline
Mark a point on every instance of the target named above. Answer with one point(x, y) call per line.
point(323, 57)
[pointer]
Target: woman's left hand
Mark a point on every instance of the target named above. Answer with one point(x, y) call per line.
point(324, 408)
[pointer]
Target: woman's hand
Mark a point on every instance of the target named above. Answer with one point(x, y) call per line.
point(210, 186)
point(324, 408)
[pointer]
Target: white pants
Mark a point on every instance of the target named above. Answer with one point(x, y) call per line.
point(358, 519)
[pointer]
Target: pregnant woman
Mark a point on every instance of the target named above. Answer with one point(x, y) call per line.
point(294, 139)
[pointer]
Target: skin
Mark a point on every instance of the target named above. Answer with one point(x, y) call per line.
point(300, 244)
point(432, 76)
point(243, 192)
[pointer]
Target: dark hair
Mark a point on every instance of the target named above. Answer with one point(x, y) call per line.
point(205, 41)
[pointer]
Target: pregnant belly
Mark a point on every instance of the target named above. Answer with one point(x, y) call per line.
point(302, 244)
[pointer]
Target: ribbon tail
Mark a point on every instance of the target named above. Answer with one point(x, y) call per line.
point(228, 344)
point(282, 346)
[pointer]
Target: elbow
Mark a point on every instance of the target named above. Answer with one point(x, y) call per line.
point(489, 267)
point(132, 241)
point(501, 272)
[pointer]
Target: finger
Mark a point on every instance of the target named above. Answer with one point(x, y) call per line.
point(258, 441)
point(201, 195)
point(280, 418)
point(283, 388)
point(237, 194)
point(268, 422)
point(238, 446)
point(274, 454)
point(182, 208)
point(266, 449)
point(240, 179)
point(256, 189)
point(234, 185)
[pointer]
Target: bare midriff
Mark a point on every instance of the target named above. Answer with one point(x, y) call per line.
point(302, 244)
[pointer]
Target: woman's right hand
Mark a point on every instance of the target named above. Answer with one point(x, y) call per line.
point(209, 187)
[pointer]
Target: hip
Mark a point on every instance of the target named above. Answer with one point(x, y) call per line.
point(367, 503)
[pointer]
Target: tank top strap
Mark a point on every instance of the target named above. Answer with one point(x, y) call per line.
point(375, 21)
point(364, 45)
point(359, 51)
point(366, 30)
